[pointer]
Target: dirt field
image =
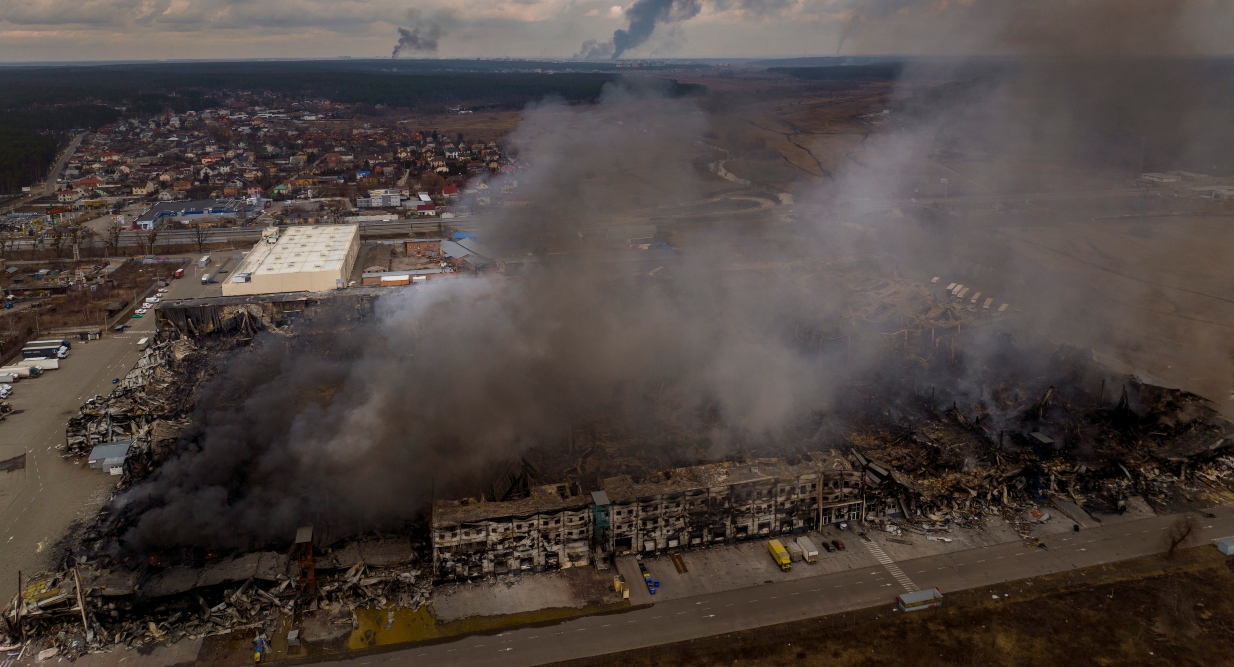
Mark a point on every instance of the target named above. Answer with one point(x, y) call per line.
point(1143, 612)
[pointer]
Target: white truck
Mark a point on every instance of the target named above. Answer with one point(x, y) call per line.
point(809, 552)
point(45, 364)
point(23, 371)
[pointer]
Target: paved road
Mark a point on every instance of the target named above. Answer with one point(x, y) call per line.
point(40, 503)
point(743, 609)
point(48, 187)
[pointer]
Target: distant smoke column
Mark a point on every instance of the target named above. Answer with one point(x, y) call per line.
point(644, 15)
point(417, 40)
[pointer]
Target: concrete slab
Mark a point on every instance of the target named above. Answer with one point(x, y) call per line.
point(572, 588)
point(1075, 513)
point(183, 652)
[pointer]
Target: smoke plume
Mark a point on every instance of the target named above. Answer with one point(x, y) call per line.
point(419, 39)
point(595, 50)
point(359, 425)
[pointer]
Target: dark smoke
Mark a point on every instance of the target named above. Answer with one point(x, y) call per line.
point(645, 14)
point(595, 50)
point(355, 426)
point(418, 40)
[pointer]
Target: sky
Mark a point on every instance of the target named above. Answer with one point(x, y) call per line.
point(77, 30)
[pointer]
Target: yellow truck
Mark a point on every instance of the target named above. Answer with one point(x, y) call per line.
point(780, 555)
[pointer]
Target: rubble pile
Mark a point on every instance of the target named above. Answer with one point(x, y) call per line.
point(1021, 446)
point(118, 605)
point(142, 397)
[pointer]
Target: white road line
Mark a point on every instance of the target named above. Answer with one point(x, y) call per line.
point(893, 569)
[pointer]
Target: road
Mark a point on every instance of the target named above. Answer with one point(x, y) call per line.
point(38, 504)
point(744, 609)
point(49, 185)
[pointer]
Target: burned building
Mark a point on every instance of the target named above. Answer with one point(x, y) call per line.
point(721, 502)
point(550, 529)
point(686, 507)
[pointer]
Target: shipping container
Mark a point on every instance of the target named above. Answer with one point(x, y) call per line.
point(22, 371)
point(45, 364)
point(809, 552)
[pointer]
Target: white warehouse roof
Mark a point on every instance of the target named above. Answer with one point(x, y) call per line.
point(305, 258)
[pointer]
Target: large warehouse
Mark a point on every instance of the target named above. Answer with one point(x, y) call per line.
point(303, 259)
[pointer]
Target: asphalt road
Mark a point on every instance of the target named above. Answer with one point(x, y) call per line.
point(48, 187)
point(748, 608)
point(40, 503)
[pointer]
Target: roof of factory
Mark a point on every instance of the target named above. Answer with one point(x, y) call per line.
point(556, 497)
point(722, 474)
point(308, 248)
point(548, 498)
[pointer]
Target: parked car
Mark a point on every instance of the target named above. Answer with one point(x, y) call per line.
point(5, 390)
point(838, 544)
point(843, 525)
point(828, 547)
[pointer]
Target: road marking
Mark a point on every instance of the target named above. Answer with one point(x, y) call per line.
point(892, 569)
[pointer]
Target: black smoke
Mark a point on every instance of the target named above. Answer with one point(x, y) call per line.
point(645, 14)
point(357, 425)
point(419, 40)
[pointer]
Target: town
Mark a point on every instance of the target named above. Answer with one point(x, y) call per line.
point(571, 364)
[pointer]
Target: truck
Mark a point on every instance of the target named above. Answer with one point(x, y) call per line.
point(45, 364)
point(809, 552)
point(206, 279)
point(62, 342)
point(794, 552)
point(143, 343)
point(204, 262)
point(9, 378)
point(780, 555)
point(44, 351)
point(22, 371)
point(178, 274)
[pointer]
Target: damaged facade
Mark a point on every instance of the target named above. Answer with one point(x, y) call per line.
point(550, 529)
point(687, 507)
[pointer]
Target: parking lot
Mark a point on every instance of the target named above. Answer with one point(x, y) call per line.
point(42, 498)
